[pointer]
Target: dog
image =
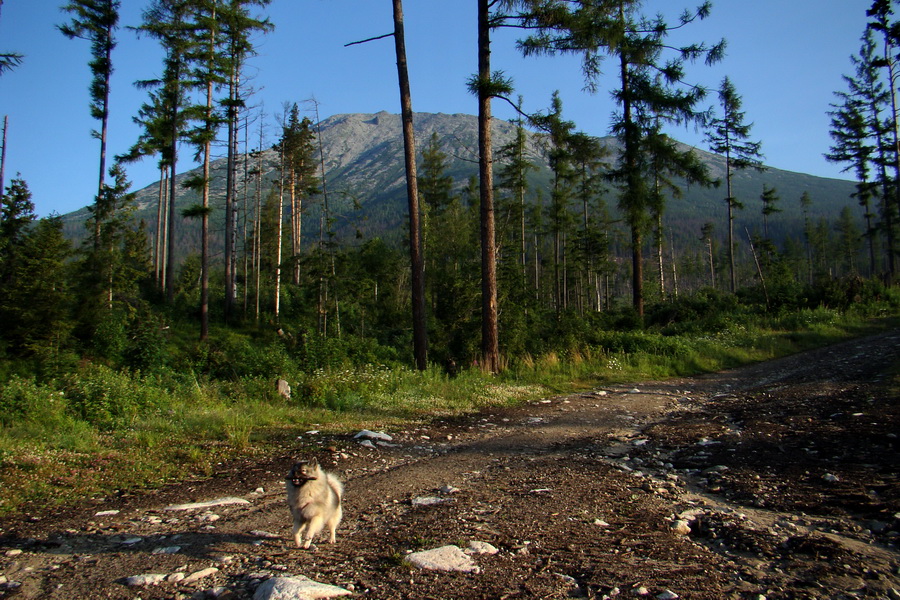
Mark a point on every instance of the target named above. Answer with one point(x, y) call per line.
point(314, 498)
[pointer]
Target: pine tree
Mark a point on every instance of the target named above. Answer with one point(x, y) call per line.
point(730, 137)
point(650, 86)
point(96, 21)
point(239, 28)
point(805, 203)
point(848, 239)
point(859, 133)
point(513, 177)
point(35, 305)
point(9, 60)
point(168, 21)
point(881, 13)
point(770, 200)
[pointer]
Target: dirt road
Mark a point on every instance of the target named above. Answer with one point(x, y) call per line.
point(778, 480)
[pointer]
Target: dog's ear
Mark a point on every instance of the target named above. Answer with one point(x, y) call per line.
point(314, 463)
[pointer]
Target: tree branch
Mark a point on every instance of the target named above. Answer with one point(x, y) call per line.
point(371, 39)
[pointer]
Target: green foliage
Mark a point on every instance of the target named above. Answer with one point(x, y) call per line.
point(107, 399)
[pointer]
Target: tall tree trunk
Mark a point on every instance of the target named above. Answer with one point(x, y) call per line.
point(170, 229)
point(417, 262)
point(158, 254)
point(230, 206)
point(490, 345)
point(280, 231)
point(893, 199)
point(3, 164)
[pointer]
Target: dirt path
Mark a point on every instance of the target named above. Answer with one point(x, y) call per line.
point(785, 473)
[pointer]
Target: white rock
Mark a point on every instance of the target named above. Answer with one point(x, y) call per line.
point(476, 547)
point(175, 577)
point(600, 523)
point(367, 444)
point(13, 552)
point(145, 580)
point(373, 435)
point(132, 541)
point(106, 513)
point(297, 588)
point(681, 527)
point(198, 575)
point(207, 504)
point(667, 595)
point(167, 550)
point(427, 500)
point(449, 489)
point(828, 477)
point(264, 534)
point(641, 591)
point(445, 558)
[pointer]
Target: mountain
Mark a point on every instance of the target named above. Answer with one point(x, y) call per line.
point(363, 158)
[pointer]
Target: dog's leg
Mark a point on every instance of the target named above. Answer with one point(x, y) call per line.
point(333, 523)
point(313, 527)
point(298, 533)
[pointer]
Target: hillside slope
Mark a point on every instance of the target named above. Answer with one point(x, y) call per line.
point(363, 157)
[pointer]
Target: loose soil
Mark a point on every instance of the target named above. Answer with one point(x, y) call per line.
point(786, 474)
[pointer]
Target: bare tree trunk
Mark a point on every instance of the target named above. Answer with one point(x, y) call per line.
point(3, 164)
point(490, 347)
point(420, 334)
point(280, 231)
point(157, 254)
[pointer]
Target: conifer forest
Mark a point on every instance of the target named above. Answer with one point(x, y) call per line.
point(546, 247)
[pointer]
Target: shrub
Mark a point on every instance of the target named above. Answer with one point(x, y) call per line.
point(107, 398)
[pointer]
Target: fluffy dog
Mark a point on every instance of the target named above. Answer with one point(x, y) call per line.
point(314, 498)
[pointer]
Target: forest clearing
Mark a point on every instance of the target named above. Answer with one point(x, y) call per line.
point(784, 473)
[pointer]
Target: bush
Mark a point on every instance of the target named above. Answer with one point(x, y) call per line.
point(107, 398)
point(22, 399)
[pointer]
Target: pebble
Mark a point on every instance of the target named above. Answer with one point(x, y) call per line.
point(681, 527)
point(198, 575)
point(106, 513)
point(476, 547)
point(427, 500)
point(667, 595)
point(13, 552)
point(145, 580)
point(167, 550)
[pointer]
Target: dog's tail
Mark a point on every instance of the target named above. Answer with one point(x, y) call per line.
point(336, 485)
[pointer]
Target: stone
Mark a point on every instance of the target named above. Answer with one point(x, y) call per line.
point(207, 504)
point(667, 595)
point(265, 534)
point(373, 435)
point(198, 575)
point(681, 527)
point(106, 513)
point(13, 552)
point(284, 389)
point(476, 547)
point(445, 558)
point(297, 588)
point(145, 580)
point(167, 550)
point(427, 500)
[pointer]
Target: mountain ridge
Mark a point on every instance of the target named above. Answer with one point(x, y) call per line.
point(363, 158)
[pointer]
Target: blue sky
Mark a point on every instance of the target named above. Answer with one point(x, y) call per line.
point(785, 58)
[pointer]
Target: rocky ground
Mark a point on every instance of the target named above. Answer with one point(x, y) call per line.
point(778, 480)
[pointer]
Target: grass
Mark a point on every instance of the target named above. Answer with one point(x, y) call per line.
point(98, 430)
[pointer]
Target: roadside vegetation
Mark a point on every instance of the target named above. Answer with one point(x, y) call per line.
point(95, 427)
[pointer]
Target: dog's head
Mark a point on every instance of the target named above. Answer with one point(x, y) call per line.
point(303, 471)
